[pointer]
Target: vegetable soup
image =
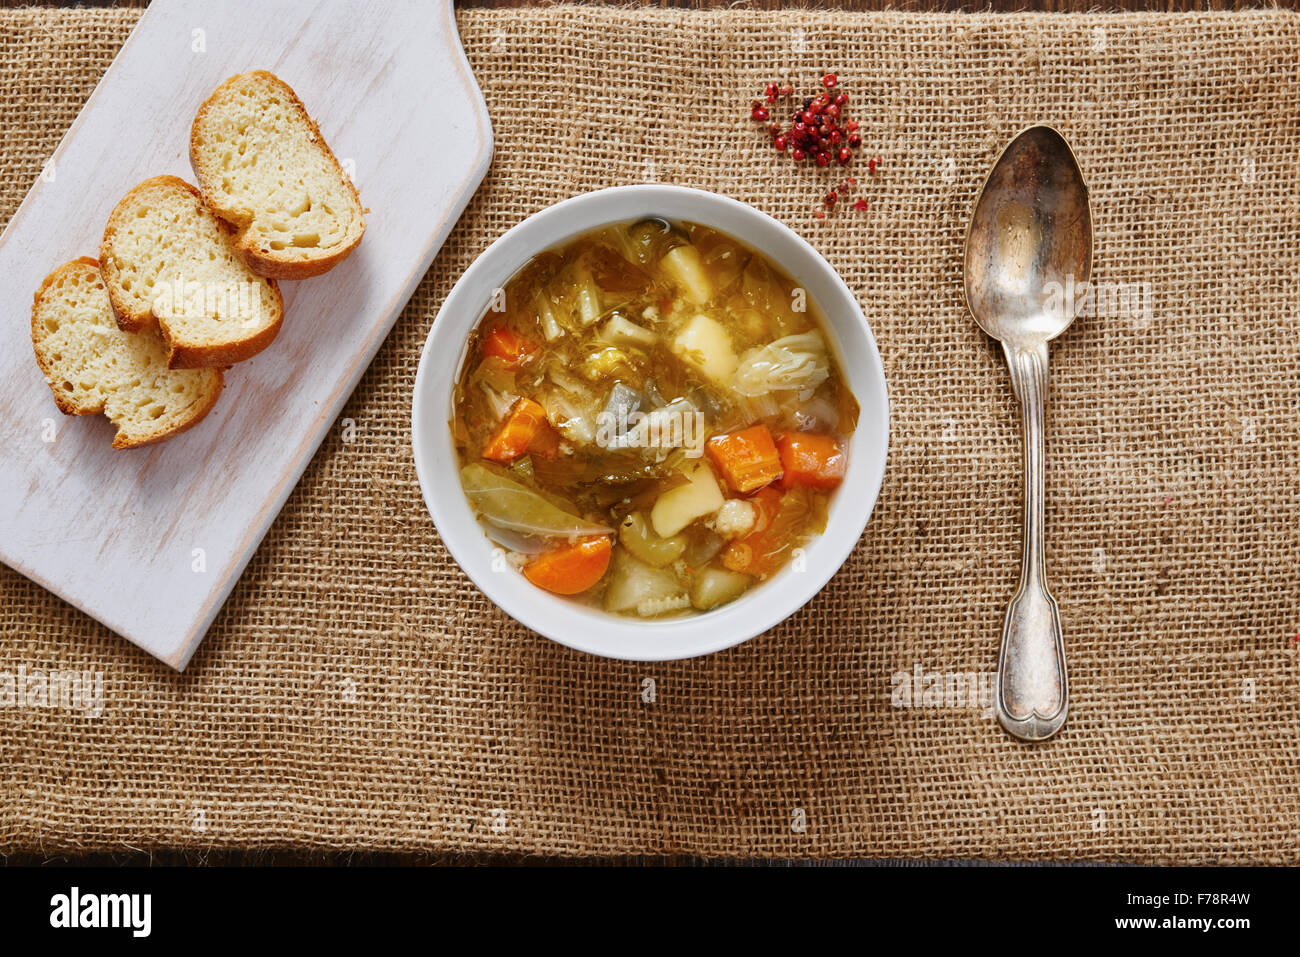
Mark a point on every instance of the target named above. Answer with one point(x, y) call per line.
point(650, 419)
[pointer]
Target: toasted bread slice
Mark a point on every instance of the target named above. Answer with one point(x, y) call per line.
point(92, 366)
point(264, 167)
point(166, 258)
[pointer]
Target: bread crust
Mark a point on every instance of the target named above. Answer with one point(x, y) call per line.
point(223, 357)
point(268, 263)
point(180, 355)
point(271, 268)
point(67, 407)
point(119, 442)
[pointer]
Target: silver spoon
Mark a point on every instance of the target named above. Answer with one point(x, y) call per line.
point(1028, 247)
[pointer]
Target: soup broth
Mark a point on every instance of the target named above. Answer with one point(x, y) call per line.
point(650, 419)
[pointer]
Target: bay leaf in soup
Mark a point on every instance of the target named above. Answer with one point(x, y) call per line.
point(511, 505)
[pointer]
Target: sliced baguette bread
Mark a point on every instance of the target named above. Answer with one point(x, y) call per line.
point(92, 366)
point(166, 258)
point(265, 169)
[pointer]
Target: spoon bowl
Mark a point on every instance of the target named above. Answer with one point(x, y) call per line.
point(1030, 240)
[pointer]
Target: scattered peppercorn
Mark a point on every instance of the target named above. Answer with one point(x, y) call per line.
point(832, 199)
point(819, 125)
point(820, 130)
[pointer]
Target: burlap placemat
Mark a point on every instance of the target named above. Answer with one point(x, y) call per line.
point(358, 691)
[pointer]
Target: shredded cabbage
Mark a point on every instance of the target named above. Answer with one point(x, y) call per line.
point(797, 363)
point(499, 402)
point(572, 420)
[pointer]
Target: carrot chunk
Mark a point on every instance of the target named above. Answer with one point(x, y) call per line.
point(750, 553)
point(571, 569)
point(523, 427)
point(747, 459)
point(508, 346)
point(546, 441)
point(811, 459)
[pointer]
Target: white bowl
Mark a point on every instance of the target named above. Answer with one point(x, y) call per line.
point(591, 629)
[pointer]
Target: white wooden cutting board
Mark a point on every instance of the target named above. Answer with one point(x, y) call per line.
point(119, 534)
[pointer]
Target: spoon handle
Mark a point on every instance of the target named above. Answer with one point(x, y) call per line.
point(1032, 693)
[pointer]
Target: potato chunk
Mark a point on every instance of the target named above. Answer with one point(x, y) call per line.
point(705, 344)
point(678, 507)
point(716, 586)
point(683, 265)
point(624, 332)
